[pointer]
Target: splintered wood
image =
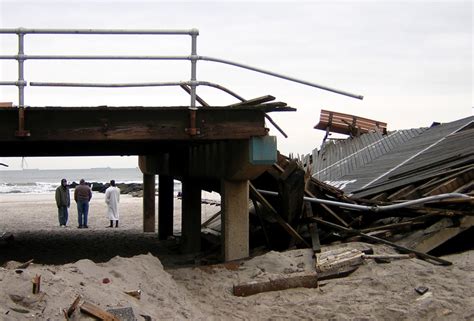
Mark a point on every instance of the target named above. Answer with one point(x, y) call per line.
point(338, 259)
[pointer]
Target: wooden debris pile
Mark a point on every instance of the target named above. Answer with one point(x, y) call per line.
point(304, 212)
point(415, 229)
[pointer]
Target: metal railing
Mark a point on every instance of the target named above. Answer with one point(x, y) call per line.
point(21, 57)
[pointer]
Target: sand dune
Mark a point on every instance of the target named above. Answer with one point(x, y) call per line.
point(74, 262)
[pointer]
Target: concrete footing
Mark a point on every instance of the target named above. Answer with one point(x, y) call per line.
point(235, 219)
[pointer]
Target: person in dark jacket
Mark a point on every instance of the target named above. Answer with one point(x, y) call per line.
point(82, 196)
point(63, 202)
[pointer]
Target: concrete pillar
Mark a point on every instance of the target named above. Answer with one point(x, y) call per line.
point(191, 217)
point(165, 206)
point(235, 219)
point(148, 203)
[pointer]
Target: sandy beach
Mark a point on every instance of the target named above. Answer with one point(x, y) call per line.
point(75, 262)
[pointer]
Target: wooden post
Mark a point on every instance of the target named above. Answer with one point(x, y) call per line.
point(165, 206)
point(36, 284)
point(191, 217)
point(148, 203)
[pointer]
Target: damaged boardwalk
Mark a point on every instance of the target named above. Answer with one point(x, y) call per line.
point(222, 152)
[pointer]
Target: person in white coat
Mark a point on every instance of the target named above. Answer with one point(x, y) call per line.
point(112, 198)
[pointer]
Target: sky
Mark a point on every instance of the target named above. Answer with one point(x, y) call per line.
point(411, 60)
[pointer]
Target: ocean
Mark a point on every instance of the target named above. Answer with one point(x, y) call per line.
point(45, 181)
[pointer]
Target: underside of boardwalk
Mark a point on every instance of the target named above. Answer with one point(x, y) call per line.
point(213, 148)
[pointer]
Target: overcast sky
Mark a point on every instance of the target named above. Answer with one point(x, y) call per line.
point(411, 60)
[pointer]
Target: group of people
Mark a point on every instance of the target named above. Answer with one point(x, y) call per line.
point(82, 196)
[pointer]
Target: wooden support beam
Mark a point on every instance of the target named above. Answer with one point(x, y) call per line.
point(258, 212)
point(149, 203)
point(191, 216)
point(291, 192)
point(78, 131)
point(313, 229)
point(165, 206)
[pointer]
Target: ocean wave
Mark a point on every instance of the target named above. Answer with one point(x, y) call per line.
point(30, 188)
point(48, 187)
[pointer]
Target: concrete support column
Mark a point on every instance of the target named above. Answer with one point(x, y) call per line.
point(148, 203)
point(191, 217)
point(235, 219)
point(165, 206)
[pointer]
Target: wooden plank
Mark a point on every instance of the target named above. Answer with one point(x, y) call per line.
point(400, 193)
point(254, 101)
point(452, 184)
point(73, 307)
point(97, 312)
point(436, 239)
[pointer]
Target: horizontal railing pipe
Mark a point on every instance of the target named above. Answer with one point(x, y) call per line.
point(274, 74)
point(109, 85)
point(92, 57)
point(384, 208)
point(9, 83)
point(147, 84)
point(101, 31)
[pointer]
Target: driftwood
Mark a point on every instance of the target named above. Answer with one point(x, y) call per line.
point(305, 281)
point(297, 281)
point(24, 265)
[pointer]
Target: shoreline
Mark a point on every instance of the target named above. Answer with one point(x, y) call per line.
point(38, 211)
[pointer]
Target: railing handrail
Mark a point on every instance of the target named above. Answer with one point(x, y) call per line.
point(25, 31)
point(193, 57)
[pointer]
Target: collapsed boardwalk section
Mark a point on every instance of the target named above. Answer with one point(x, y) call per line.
point(212, 148)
